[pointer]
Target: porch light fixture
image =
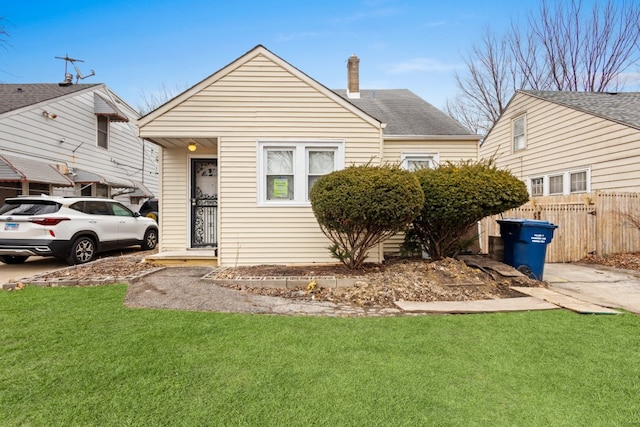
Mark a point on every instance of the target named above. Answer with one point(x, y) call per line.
point(192, 146)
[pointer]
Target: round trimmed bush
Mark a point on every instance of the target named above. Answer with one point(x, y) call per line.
point(457, 195)
point(361, 206)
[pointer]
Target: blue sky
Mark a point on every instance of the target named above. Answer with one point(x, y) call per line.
point(135, 47)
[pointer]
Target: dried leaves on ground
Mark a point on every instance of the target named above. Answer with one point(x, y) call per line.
point(376, 284)
point(117, 267)
point(624, 261)
point(380, 285)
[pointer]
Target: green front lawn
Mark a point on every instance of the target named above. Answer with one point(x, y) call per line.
point(78, 357)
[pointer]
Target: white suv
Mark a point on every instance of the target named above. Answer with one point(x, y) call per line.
point(71, 228)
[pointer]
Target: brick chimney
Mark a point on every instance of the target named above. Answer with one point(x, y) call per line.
point(353, 77)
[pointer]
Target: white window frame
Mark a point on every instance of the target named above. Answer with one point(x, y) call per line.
point(99, 132)
point(531, 186)
point(524, 133)
point(562, 177)
point(566, 182)
point(300, 150)
point(587, 177)
point(422, 156)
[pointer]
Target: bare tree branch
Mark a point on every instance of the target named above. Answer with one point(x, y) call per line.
point(561, 46)
point(150, 101)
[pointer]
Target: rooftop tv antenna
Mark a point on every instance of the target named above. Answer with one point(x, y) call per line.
point(68, 77)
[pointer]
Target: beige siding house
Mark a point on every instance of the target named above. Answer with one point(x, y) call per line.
point(241, 149)
point(562, 143)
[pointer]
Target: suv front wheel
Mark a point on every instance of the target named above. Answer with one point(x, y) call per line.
point(150, 239)
point(82, 251)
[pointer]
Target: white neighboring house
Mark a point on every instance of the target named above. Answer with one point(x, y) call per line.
point(74, 139)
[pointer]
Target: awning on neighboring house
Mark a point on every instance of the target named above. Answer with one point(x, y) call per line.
point(85, 177)
point(19, 169)
point(103, 106)
point(140, 191)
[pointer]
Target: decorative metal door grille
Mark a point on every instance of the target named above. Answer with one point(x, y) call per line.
point(204, 203)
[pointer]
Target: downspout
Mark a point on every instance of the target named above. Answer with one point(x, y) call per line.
point(382, 126)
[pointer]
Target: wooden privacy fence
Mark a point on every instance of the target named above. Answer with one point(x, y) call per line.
point(596, 223)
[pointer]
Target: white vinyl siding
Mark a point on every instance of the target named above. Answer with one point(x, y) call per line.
point(561, 139)
point(70, 141)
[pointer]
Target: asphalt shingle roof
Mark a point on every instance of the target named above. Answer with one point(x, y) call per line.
point(15, 96)
point(621, 107)
point(405, 113)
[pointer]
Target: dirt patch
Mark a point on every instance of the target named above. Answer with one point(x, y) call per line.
point(377, 285)
point(380, 285)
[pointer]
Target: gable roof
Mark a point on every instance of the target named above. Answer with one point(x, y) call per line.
point(15, 96)
point(259, 50)
point(620, 107)
point(406, 114)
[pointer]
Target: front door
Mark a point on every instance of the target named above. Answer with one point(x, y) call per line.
point(204, 203)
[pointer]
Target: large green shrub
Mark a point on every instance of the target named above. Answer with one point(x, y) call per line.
point(457, 196)
point(361, 206)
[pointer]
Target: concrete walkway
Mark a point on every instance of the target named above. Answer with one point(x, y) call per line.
point(596, 284)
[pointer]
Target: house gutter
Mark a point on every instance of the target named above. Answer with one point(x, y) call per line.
point(432, 137)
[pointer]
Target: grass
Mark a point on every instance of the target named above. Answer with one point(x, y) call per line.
point(78, 357)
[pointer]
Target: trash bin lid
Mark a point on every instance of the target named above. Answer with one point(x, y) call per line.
point(524, 222)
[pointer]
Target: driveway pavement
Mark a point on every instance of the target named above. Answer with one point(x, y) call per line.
point(33, 265)
point(600, 285)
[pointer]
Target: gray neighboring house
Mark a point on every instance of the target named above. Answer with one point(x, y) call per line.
point(73, 139)
point(565, 143)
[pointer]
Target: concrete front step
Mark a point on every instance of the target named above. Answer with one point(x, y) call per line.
point(195, 258)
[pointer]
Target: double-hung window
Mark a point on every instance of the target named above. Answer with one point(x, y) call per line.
point(103, 131)
point(518, 133)
point(288, 170)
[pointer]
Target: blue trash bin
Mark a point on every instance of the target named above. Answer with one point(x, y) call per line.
point(525, 244)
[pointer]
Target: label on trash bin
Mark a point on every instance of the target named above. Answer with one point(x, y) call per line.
point(538, 238)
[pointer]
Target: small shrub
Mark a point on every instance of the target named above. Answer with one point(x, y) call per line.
point(457, 195)
point(361, 206)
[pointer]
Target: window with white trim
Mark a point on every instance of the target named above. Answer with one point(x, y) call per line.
point(415, 161)
point(537, 186)
point(578, 181)
point(103, 131)
point(569, 182)
point(556, 184)
point(288, 170)
point(518, 132)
